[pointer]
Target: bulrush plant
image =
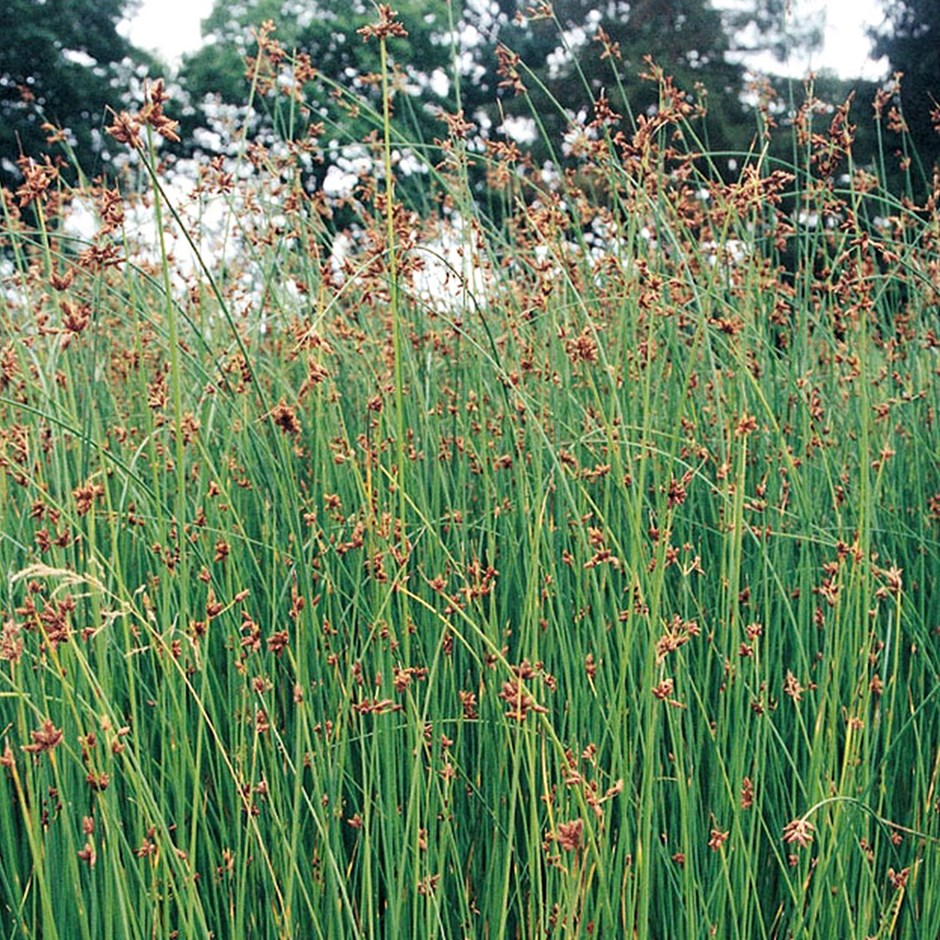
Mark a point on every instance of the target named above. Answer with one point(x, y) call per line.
point(599, 601)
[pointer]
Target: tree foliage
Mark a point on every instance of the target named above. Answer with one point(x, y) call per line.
point(572, 51)
point(910, 38)
point(59, 63)
point(575, 51)
point(769, 26)
point(326, 31)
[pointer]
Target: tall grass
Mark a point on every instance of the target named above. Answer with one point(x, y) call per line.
point(593, 594)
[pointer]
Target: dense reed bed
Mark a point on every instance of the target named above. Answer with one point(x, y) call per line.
point(562, 568)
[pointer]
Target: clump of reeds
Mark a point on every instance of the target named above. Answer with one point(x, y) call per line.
point(592, 597)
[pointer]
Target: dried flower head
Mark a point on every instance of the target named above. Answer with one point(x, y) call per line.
point(387, 25)
point(569, 835)
point(718, 839)
point(45, 739)
point(799, 831)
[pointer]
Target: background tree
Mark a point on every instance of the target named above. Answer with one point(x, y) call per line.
point(910, 38)
point(694, 42)
point(566, 48)
point(756, 26)
point(585, 49)
point(325, 31)
point(60, 61)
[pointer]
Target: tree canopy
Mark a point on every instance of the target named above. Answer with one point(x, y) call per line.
point(583, 50)
point(63, 61)
point(60, 61)
point(574, 51)
point(910, 38)
point(326, 32)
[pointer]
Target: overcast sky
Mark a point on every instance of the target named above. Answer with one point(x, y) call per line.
point(172, 27)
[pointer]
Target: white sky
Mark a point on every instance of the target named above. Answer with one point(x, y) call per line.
point(172, 27)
